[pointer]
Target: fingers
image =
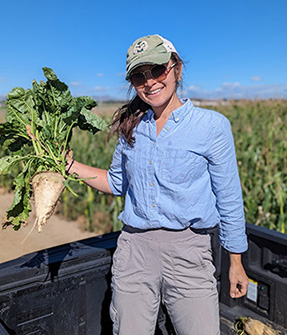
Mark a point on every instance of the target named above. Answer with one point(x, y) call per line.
point(237, 277)
point(69, 160)
point(238, 289)
point(69, 165)
point(69, 153)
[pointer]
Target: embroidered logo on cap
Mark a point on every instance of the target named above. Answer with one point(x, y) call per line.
point(140, 47)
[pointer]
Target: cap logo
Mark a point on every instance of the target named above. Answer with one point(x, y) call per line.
point(140, 47)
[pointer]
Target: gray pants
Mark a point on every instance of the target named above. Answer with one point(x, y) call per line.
point(173, 267)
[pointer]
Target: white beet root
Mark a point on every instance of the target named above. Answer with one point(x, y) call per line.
point(47, 188)
point(256, 327)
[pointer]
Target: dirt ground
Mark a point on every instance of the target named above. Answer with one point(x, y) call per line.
point(56, 232)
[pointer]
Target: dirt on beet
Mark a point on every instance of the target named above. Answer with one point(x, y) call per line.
point(47, 189)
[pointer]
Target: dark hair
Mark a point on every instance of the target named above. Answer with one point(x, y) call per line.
point(127, 117)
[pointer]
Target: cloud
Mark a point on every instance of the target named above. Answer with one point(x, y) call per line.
point(256, 78)
point(101, 88)
point(121, 74)
point(75, 83)
point(230, 90)
point(98, 88)
point(229, 86)
point(193, 88)
point(238, 91)
point(100, 75)
point(2, 79)
point(193, 91)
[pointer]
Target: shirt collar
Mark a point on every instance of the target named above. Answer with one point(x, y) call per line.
point(178, 114)
point(181, 112)
point(149, 114)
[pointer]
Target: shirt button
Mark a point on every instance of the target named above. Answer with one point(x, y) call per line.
point(154, 143)
point(151, 184)
point(167, 128)
point(152, 205)
point(177, 119)
point(172, 116)
point(150, 162)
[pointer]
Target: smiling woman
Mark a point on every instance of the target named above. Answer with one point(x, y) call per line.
point(176, 166)
point(149, 80)
point(159, 90)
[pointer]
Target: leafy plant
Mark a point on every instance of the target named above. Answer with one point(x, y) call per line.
point(38, 130)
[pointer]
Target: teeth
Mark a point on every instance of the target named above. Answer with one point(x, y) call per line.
point(154, 92)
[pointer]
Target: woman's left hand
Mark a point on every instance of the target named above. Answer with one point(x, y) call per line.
point(237, 277)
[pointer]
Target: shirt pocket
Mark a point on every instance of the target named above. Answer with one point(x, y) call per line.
point(179, 166)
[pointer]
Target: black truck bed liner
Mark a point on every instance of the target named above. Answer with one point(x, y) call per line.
point(66, 289)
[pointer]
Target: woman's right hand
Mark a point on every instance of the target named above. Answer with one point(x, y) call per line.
point(94, 177)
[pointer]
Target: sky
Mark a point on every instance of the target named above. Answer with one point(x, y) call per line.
point(231, 49)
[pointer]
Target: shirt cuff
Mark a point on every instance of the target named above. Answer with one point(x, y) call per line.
point(237, 246)
point(111, 184)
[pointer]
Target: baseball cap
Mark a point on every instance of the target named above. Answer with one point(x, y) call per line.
point(151, 49)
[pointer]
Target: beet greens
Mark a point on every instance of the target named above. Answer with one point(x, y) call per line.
point(37, 132)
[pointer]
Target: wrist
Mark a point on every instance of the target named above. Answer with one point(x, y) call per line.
point(235, 259)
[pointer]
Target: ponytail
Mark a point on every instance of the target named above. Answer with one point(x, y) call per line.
point(127, 117)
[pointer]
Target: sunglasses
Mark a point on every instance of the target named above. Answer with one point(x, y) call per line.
point(157, 72)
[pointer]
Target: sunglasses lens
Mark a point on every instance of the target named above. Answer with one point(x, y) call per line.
point(158, 72)
point(138, 79)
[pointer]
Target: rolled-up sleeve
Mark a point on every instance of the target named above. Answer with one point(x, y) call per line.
point(117, 173)
point(227, 189)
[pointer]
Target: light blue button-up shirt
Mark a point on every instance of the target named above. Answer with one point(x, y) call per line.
point(185, 176)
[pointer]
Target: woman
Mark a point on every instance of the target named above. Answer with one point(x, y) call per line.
point(176, 165)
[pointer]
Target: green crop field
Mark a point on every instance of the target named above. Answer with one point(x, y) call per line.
point(261, 146)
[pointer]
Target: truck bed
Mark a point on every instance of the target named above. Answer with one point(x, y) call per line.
point(66, 289)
